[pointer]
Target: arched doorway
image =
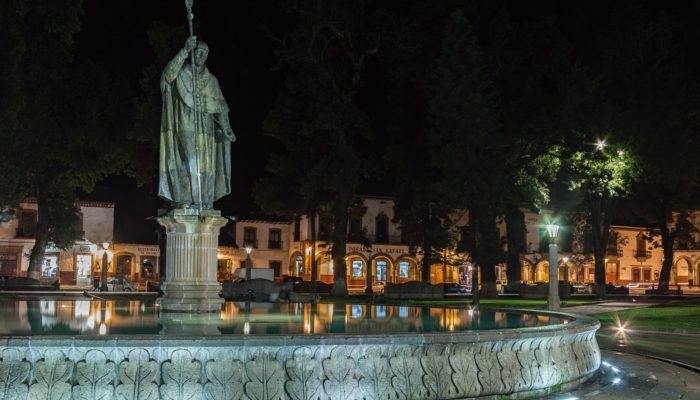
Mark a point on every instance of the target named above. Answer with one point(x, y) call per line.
point(296, 264)
point(124, 266)
point(680, 273)
point(542, 272)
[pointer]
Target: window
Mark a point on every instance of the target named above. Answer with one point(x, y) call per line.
point(250, 237)
point(274, 241)
point(356, 311)
point(276, 266)
point(381, 270)
point(381, 312)
point(49, 269)
point(356, 268)
point(382, 228)
point(404, 268)
point(299, 261)
point(27, 224)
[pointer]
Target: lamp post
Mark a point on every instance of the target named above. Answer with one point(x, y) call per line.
point(105, 266)
point(553, 297)
point(248, 262)
point(566, 270)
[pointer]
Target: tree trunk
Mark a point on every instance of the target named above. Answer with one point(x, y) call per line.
point(36, 258)
point(600, 225)
point(340, 238)
point(515, 235)
point(427, 254)
point(667, 244)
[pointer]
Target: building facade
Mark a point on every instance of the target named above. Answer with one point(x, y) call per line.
point(374, 251)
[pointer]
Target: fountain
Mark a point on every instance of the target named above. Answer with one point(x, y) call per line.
point(298, 351)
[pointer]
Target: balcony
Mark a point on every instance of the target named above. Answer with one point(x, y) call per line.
point(385, 239)
point(642, 253)
point(250, 243)
point(274, 244)
point(613, 251)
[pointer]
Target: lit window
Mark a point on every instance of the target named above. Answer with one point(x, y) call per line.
point(404, 268)
point(356, 268)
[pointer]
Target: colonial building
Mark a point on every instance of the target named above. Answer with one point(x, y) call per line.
point(374, 252)
point(82, 262)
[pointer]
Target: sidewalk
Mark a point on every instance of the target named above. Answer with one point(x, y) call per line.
point(640, 364)
point(625, 376)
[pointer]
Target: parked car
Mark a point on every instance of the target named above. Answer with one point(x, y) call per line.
point(117, 285)
point(378, 286)
point(456, 288)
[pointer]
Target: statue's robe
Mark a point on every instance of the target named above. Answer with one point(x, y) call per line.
point(179, 157)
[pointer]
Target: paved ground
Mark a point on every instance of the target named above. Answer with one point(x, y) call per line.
point(640, 364)
point(625, 376)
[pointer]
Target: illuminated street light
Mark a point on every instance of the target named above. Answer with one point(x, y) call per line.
point(248, 262)
point(553, 297)
point(600, 145)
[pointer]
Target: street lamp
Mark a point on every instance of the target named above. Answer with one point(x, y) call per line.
point(248, 262)
point(553, 297)
point(566, 270)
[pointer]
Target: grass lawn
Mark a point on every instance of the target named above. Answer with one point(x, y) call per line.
point(676, 315)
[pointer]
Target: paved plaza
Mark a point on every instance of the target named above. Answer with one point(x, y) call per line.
point(641, 364)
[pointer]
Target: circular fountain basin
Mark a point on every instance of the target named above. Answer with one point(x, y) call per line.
point(311, 352)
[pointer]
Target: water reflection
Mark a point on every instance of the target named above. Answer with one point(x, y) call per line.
point(130, 317)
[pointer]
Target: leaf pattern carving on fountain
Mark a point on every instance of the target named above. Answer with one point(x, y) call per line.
point(304, 374)
point(465, 370)
point(266, 377)
point(226, 377)
point(375, 383)
point(181, 377)
point(407, 377)
point(14, 371)
point(489, 369)
point(52, 375)
point(137, 375)
point(510, 367)
point(528, 365)
point(437, 378)
point(95, 377)
point(548, 370)
point(340, 373)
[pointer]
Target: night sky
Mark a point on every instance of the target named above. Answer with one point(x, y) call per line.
point(241, 57)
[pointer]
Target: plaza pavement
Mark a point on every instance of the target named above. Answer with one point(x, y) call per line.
point(656, 365)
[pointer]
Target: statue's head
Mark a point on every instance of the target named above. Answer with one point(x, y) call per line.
point(201, 52)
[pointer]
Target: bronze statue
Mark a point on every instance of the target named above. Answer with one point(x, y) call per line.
point(195, 133)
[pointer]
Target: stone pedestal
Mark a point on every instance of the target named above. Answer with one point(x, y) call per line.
point(192, 242)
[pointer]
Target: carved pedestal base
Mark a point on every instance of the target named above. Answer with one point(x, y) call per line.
point(190, 283)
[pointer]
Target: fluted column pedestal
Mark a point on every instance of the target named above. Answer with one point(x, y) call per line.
point(192, 242)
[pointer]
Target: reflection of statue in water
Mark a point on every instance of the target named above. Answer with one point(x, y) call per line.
point(195, 132)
